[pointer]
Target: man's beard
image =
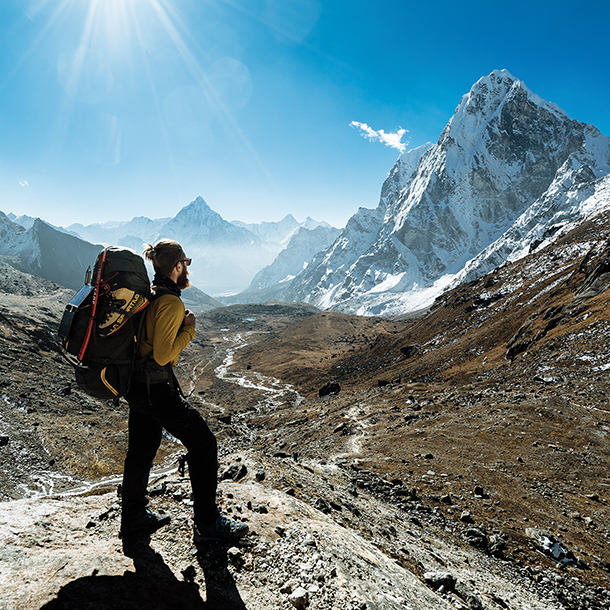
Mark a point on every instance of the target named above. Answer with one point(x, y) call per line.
point(183, 281)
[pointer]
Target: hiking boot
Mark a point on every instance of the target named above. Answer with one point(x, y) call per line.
point(223, 529)
point(143, 525)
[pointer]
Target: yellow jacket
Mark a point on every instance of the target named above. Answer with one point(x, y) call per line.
point(164, 330)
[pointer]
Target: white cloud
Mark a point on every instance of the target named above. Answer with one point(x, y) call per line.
point(393, 140)
point(23, 182)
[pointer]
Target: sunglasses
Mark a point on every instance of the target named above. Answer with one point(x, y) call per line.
point(185, 261)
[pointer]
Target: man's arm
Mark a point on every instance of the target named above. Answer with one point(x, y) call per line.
point(174, 329)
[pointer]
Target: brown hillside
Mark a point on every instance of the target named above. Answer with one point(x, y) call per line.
point(501, 386)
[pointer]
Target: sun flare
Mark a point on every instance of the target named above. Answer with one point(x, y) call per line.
point(116, 55)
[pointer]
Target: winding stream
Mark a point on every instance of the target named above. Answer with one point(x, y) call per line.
point(276, 389)
point(48, 483)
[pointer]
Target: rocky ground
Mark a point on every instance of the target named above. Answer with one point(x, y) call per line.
point(458, 460)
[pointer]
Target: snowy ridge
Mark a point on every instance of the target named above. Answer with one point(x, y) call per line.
point(273, 232)
point(277, 235)
point(138, 229)
point(225, 256)
point(328, 268)
point(302, 247)
point(47, 252)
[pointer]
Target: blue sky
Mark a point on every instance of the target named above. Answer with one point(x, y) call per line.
point(111, 109)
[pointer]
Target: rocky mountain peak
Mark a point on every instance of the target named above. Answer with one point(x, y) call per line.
point(9, 227)
point(487, 94)
point(500, 115)
point(197, 210)
point(46, 252)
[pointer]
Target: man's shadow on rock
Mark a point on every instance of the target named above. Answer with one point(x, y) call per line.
point(153, 586)
point(220, 587)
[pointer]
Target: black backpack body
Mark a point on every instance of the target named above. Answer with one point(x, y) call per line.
point(100, 329)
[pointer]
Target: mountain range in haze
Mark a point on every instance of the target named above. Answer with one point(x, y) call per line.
point(509, 173)
point(226, 255)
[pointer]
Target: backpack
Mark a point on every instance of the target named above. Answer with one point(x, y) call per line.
point(100, 328)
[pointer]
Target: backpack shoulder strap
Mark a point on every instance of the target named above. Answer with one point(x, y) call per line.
point(159, 292)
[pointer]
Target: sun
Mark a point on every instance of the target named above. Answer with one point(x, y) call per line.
point(106, 38)
point(120, 55)
point(112, 35)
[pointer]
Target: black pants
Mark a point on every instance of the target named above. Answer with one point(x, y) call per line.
point(169, 410)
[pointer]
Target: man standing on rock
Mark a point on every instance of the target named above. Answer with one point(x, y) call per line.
point(156, 402)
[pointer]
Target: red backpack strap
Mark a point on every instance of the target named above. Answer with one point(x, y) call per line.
point(96, 290)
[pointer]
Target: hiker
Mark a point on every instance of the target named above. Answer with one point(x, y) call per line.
point(156, 402)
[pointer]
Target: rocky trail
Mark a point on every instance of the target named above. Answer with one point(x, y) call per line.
point(63, 553)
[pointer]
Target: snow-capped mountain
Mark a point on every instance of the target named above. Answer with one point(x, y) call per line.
point(225, 257)
point(507, 160)
point(271, 282)
point(197, 223)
